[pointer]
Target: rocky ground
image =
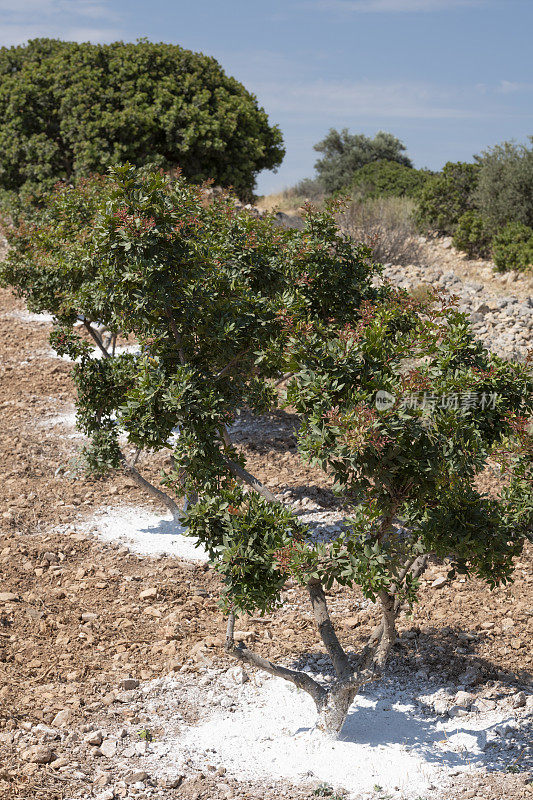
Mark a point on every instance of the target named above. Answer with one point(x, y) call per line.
point(105, 655)
point(500, 305)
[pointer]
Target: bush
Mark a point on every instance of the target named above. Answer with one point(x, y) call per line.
point(389, 179)
point(222, 305)
point(504, 190)
point(447, 196)
point(69, 109)
point(345, 153)
point(512, 247)
point(471, 235)
point(386, 226)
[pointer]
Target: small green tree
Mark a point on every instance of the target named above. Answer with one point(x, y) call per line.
point(223, 305)
point(512, 247)
point(68, 110)
point(389, 179)
point(447, 196)
point(344, 153)
point(471, 235)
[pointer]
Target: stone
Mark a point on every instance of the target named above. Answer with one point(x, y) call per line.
point(463, 699)
point(58, 763)
point(173, 783)
point(137, 777)
point(8, 597)
point(108, 748)
point(95, 738)
point(61, 719)
point(148, 594)
point(518, 700)
point(38, 754)
point(457, 711)
point(129, 683)
point(439, 582)
point(238, 675)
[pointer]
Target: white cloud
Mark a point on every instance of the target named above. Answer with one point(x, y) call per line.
point(392, 6)
point(360, 99)
point(79, 20)
point(512, 87)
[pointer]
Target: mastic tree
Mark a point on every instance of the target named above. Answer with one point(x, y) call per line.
point(344, 153)
point(396, 399)
point(69, 109)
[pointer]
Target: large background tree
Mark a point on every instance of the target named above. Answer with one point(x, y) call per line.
point(69, 109)
point(344, 153)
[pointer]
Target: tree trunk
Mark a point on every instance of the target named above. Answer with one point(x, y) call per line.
point(333, 710)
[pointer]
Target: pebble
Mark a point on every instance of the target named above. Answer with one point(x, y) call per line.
point(38, 754)
point(108, 748)
point(95, 738)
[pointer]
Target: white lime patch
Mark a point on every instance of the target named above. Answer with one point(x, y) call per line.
point(145, 532)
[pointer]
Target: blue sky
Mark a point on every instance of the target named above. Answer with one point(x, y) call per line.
point(448, 77)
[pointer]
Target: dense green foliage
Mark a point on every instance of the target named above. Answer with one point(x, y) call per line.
point(487, 206)
point(472, 236)
point(344, 153)
point(389, 179)
point(512, 247)
point(447, 196)
point(504, 191)
point(69, 109)
point(223, 303)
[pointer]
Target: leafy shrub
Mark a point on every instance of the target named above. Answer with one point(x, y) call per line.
point(386, 226)
point(471, 235)
point(345, 153)
point(447, 196)
point(223, 304)
point(68, 109)
point(512, 247)
point(389, 179)
point(504, 191)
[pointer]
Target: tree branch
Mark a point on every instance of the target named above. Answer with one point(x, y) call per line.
point(96, 338)
point(252, 481)
point(233, 361)
point(299, 679)
point(163, 497)
point(326, 630)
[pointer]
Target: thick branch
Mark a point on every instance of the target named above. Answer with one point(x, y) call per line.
point(163, 497)
point(251, 480)
point(96, 338)
point(299, 679)
point(233, 361)
point(416, 567)
point(243, 474)
point(326, 630)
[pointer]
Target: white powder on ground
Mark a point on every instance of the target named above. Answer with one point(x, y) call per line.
point(145, 532)
point(28, 316)
point(265, 732)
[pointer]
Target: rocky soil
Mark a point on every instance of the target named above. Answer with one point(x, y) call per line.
point(499, 305)
point(102, 653)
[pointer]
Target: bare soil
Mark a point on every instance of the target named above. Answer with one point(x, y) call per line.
point(73, 625)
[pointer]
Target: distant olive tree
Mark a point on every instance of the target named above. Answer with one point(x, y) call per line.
point(504, 191)
point(344, 153)
point(69, 109)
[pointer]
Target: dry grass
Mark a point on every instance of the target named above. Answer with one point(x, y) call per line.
point(385, 224)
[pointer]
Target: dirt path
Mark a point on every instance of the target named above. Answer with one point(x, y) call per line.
point(75, 624)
